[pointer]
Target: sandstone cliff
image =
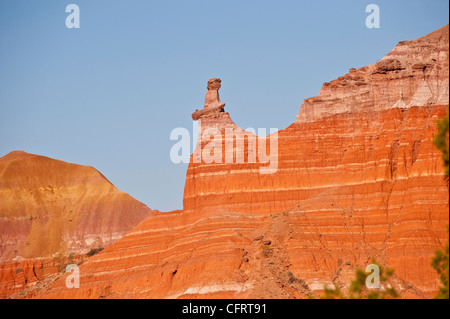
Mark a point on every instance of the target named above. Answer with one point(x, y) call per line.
point(357, 177)
point(414, 73)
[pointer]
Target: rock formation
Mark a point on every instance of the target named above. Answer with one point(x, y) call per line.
point(50, 208)
point(357, 178)
point(213, 107)
point(414, 73)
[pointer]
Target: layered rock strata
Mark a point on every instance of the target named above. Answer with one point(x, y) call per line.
point(50, 208)
point(357, 177)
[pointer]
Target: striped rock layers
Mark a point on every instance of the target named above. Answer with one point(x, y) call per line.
point(50, 209)
point(357, 177)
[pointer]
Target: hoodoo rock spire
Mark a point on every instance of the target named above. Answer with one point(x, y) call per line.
point(213, 107)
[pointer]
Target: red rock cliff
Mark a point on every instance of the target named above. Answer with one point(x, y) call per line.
point(357, 177)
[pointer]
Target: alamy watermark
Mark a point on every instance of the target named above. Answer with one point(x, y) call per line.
point(373, 19)
point(73, 19)
point(73, 279)
point(230, 145)
point(373, 279)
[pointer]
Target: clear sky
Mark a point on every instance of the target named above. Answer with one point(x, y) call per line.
point(109, 93)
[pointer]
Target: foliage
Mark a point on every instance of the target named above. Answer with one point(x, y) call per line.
point(441, 141)
point(440, 263)
point(358, 289)
point(94, 251)
point(440, 259)
point(59, 263)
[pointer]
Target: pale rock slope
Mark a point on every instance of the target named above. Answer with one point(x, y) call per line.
point(50, 209)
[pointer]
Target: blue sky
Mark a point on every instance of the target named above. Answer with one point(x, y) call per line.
point(109, 94)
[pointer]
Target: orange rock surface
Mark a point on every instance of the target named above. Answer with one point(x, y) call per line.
point(358, 177)
point(50, 208)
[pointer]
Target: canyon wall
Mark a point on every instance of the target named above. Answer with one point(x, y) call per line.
point(352, 132)
point(357, 177)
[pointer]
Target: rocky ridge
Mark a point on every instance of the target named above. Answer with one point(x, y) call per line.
point(357, 178)
point(51, 209)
